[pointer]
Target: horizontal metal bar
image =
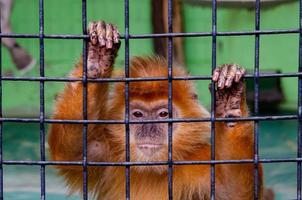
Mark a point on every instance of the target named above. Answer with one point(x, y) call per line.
point(205, 162)
point(45, 36)
point(62, 79)
point(172, 120)
point(185, 78)
point(158, 35)
point(209, 34)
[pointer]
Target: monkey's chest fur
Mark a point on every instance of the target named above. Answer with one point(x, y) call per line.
point(151, 186)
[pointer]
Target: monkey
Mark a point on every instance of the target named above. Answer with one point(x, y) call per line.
point(148, 100)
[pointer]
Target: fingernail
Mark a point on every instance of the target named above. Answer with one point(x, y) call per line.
point(220, 84)
point(117, 40)
point(102, 42)
point(228, 83)
point(109, 44)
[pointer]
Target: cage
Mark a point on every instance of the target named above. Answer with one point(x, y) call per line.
point(38, 117)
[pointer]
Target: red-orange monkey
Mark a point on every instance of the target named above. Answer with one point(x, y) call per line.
point(148, 142)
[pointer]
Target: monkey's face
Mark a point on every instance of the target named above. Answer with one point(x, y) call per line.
point(149, 140)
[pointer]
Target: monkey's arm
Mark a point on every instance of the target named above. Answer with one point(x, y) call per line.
point(234, 140)
point(65, 140)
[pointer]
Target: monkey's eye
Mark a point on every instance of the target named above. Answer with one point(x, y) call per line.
point(137, 114)
point(163, 114)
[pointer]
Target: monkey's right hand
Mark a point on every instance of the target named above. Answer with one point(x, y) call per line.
point(102, 49)
point(230, 91)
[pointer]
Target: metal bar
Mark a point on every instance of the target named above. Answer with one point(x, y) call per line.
point(42, 98)
point(151, 163)
point(214, 37)
point(85, 94)
point(299, 137)
point(129, 79)
point(1, 123)
point(159, 35)
point(170, 35)
point(173, 120)
point(256, 101)
point(127, 126)
point(170, 95)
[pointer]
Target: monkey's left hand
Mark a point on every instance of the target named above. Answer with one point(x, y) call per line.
point(229, 92)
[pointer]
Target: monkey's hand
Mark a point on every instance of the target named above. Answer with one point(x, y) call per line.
point(229, 91)
point(102, 49)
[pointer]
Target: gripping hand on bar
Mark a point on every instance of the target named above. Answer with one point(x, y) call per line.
point(230, 92)
point(102, 50)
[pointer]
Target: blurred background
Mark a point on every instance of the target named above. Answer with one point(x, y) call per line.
point(278, 53)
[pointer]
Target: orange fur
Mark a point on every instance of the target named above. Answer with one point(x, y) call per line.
point(190, 140)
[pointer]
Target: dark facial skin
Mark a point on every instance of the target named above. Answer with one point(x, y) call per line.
point(149, 138)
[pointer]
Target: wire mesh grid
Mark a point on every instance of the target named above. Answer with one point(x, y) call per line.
point(170, 35)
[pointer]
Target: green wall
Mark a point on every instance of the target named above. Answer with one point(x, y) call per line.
point(64, 17)
point(276, 51)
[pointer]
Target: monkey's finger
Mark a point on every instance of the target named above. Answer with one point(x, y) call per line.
point(239, 73)
point(116, 35)
point(238, 76)
point(237, 90)
point(216, 74)
point(92, 33)
point(116, 47)
point(231, 75)
point(101, 31)
point(222, 76)
point(109, 36)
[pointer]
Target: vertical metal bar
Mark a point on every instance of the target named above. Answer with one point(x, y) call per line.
point(214, 35)
point(127, 129)
point(85, 94)
point(1, 124)
point(170, 107)
point(256, 101)
point(299, 142)
point(42, 98)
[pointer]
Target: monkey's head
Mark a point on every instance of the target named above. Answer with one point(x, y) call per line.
point(149, 101)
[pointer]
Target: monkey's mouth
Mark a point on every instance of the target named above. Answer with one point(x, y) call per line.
point(149, 148)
